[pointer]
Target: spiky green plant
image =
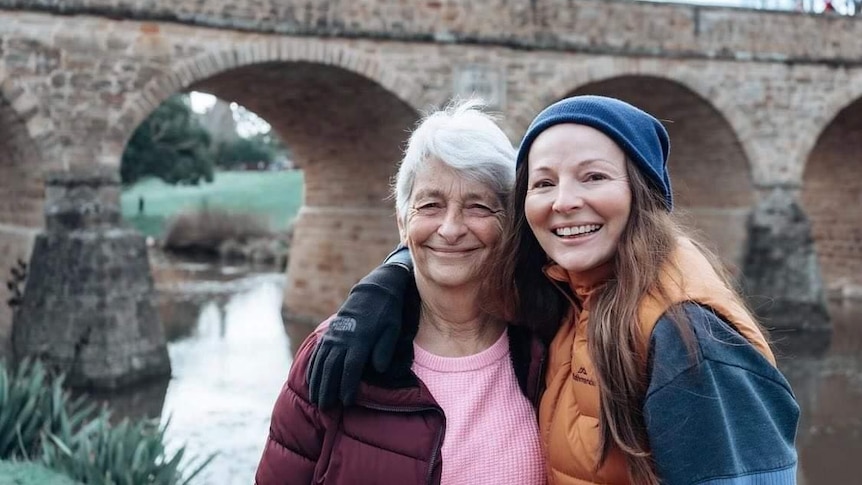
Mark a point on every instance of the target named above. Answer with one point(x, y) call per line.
point(130, 453)
point(33, 403)
point(39, 420)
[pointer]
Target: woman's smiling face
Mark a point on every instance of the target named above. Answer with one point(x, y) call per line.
point(578, 197)
point(452, 227)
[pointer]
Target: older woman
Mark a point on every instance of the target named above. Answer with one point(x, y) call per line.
point(657, 373)
point(457, 405)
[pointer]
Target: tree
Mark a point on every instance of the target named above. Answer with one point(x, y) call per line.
point(260, 147)
point(274, 143)
point(243, 150)
point(170, 144)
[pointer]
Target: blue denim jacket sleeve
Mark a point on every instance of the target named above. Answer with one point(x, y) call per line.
point(723, 415)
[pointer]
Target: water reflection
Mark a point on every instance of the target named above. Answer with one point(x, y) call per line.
point(227, 375)
point(827, 380)
point(230, 354)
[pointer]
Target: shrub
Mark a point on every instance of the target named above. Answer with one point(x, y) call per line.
point(31, 404)
point(39, 420)
point(204, 230)
point(130, 453)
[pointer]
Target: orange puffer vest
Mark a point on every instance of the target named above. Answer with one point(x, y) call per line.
point(569, 410)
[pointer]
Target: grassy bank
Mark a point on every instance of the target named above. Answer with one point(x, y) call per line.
point(276, 196)
point(27, 473)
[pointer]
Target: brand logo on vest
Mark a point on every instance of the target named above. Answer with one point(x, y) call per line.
point(583, 377)
point(342, 324)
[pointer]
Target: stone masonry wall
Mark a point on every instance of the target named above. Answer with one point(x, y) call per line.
point(89, 308)
point(833, 200)
point(21, 171)
point(336, 243)
point(743, 119)
point(598, 26)
point(782, 278)
point(83, 106)
point(16, 243)
point(21, 196)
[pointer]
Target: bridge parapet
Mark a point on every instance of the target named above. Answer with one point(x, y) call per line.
point(592, 26)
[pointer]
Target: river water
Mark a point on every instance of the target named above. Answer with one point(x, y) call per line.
point(230, 355)
point(231, 352)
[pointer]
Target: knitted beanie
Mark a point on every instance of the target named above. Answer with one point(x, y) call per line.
point(642, 137)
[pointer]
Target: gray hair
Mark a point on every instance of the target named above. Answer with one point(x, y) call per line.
point(467, 140)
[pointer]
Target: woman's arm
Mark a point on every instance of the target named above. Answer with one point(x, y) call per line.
point(364, 331)
point(296, 432)
point(724, 416)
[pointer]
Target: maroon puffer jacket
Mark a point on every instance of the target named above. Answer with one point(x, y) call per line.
point(392, 435)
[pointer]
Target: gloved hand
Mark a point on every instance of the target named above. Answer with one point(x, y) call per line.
point(367, 324)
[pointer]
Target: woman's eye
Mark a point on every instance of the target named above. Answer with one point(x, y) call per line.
point(479, 210)
point(596, 177)
point(429, 206)
point(540, 184)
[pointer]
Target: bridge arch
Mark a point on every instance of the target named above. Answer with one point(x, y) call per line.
point(841, 95)
point(345, 118)
point(183, 74)
point(832, 196)
point(705, 148)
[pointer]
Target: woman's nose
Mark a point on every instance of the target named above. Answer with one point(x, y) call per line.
point(568, 198)
point(452, 227)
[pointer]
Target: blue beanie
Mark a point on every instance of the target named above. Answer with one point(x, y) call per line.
point(642, 137)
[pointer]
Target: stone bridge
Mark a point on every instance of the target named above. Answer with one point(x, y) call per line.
point(764, 108)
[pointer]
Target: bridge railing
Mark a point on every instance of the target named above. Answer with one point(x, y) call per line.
point(834, 7)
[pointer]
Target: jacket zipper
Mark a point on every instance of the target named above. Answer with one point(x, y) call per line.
point(438, 440)
point(537, 391)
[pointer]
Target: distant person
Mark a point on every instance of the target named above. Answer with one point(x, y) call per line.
point(457, 404)
point(140, 205)
point(656, 371)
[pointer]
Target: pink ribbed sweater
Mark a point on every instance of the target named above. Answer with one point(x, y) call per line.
point(491, 433)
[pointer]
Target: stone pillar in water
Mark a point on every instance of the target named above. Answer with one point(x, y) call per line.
point(89, 305)
point(332, 248)
point(780, 267)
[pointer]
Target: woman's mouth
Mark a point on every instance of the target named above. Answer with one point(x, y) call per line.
point(577, 231)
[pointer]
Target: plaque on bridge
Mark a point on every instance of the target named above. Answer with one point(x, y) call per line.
point(482, 81)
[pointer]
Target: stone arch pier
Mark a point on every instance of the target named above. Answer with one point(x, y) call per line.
point(21, 204)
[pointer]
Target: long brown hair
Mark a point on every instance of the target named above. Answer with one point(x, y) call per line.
point(519, 291)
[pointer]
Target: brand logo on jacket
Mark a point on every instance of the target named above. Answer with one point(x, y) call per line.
point(343, 324)
point(583, 377)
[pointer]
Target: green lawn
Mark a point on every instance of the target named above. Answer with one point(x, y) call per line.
point(274, 195)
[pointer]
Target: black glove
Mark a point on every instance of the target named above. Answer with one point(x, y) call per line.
point(367, 324)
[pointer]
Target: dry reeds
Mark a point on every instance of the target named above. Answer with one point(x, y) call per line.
point(205, 229)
